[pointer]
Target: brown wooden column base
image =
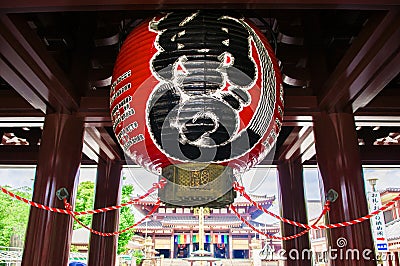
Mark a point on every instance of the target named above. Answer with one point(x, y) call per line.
point(48, 235)
point(293, 206)
point(103, 250)
point(340, 166)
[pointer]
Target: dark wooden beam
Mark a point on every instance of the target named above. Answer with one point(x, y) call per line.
point(374, 155)
point(96, 113)
point(367, 67)
point(298, 109)
point(111, 144)
point(95, 109)
point(370, 155)
point(389, 104)
point(30, 70)
point(81, 53)
point(101, 143)
point(19, 155)
point(302, 105)
point(11, 104)
point(380, 154)
point(74, 5)
point(27, 155)
point(381, 111)
point(16, 79)
point(288, 143)
point(296, 144)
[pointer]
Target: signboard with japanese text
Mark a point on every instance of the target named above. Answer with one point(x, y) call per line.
point(378, 223)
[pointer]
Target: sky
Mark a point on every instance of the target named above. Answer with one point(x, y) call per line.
point(259, 180)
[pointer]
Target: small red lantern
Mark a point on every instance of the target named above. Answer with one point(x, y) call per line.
point(197, 98)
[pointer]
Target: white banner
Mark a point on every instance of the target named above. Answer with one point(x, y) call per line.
point(378, 222)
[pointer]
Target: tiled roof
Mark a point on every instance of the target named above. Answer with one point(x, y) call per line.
point(240, 200)
point(390, 190)
point(150, 225)
point(149, 200)
point(262, 226)
point(227, 220)
point(393, 230)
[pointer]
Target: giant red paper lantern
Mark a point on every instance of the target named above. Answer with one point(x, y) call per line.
point(196, 97)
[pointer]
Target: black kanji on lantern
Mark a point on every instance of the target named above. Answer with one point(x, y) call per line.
point(199, 41)
point(193, 114)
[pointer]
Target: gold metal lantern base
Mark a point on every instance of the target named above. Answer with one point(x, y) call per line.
point(198, 185)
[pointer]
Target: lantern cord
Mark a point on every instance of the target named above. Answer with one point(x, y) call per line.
point(68, 208)
point(241, 190)
point(158, 185)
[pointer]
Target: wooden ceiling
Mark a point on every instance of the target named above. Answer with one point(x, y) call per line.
point(57, 56)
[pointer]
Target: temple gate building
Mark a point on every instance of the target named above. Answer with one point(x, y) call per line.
point(175, 231)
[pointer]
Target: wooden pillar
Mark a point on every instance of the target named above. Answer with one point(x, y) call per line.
point(339, 162)
point(103, 250)
point(48, 236)
point(396, 258)
point(293, 206)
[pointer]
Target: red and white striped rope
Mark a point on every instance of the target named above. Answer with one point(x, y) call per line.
point(284, 238)
point(32, 203)
point(68, 207)
point(155, 186)
point(159, 185)
point(361, 219)
point(241, 190)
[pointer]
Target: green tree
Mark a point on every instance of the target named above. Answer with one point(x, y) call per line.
point(14, 215)
point(85, 201)
point(126, 219)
